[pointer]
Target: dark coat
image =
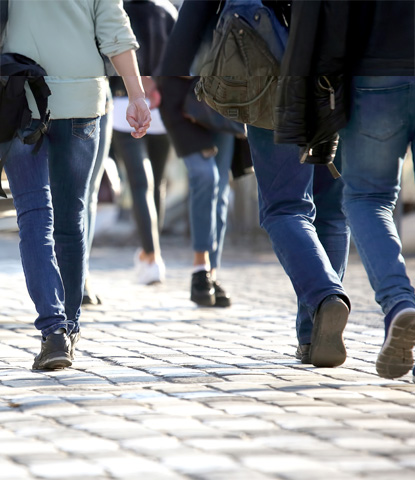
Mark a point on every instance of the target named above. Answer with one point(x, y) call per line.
point(311, 101)
point(191, 28)
point(152, 22)
point(337, 39)
point(183, 45)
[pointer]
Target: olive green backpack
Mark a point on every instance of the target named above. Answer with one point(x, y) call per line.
point(238, 75)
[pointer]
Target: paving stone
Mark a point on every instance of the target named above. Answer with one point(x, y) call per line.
point(284, 464)
point(12, 471)
point(161, 389)
point(71, 468)
point(199, 463)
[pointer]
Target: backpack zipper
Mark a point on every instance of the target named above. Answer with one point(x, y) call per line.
point(330, 89)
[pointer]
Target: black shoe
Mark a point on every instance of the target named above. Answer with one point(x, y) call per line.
point(303, 353)
point(222, 299)
point(91, 299)
point(327, 347)
point(202, 290)
point(55, 353)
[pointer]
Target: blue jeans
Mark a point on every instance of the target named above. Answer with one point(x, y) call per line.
point(375, 141)
point(209, 198)
point(95, 182)
point(300, 208)
point(49, 192)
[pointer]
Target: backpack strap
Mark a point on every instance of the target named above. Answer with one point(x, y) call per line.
point(41, 93)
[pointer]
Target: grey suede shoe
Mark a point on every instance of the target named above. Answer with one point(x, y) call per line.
point(327, 346)
point(395, 357)
point(56, 352)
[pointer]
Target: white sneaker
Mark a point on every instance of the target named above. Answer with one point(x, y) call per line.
point(138, 264)
point(150, 273)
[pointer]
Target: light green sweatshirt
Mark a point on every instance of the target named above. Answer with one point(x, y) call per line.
point(62, 37)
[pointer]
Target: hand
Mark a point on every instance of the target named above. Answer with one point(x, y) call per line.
point(138, 116)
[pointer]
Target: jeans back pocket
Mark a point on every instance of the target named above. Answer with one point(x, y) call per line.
point(84, 128)
point(382, 112)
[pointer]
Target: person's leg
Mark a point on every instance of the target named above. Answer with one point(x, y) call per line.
point(134, 154)
point(28, 177)
point(158, 151)
point(332, 231)
point(203, 175)
point(72, 153)
point(225, 144)
point(287, 212)
point(89, 296)
point(203, 178)
point(374, 145)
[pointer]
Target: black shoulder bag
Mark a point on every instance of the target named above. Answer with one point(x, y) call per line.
point(15, 115)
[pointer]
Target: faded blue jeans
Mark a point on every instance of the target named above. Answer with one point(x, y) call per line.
point(209, 198)
point(49, 192)
point(300, 208)
point(375, 142)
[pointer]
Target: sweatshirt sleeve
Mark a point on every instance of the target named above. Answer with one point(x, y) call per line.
point(112, 28)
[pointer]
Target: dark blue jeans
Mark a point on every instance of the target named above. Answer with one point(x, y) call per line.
point(375, 142)
point(300, 208)
point(49, 192)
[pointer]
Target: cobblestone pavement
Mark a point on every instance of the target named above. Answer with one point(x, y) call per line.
point(161, 389)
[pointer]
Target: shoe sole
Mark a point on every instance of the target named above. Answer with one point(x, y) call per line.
point(327, 346)
point(395, 358)
point(52, 362)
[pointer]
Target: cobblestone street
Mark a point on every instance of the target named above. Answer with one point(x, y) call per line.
point(163, 390)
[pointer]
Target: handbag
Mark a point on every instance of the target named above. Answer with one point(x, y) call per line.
point(15, 71)
point(200, 113)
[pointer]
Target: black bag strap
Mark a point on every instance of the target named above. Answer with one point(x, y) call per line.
point(41, 93)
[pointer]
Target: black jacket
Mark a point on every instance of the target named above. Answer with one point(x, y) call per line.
point(311, 104)
point(337, 39)
point(152, 22)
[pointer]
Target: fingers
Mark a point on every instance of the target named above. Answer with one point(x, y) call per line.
point(139, 117)
point(140, 131)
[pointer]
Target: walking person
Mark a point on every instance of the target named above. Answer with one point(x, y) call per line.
point(367, 50)
point(90, 297)
point(49, 188)
point(208, 157)
point(375, 141)
point(300, 208)
point(145, 160)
